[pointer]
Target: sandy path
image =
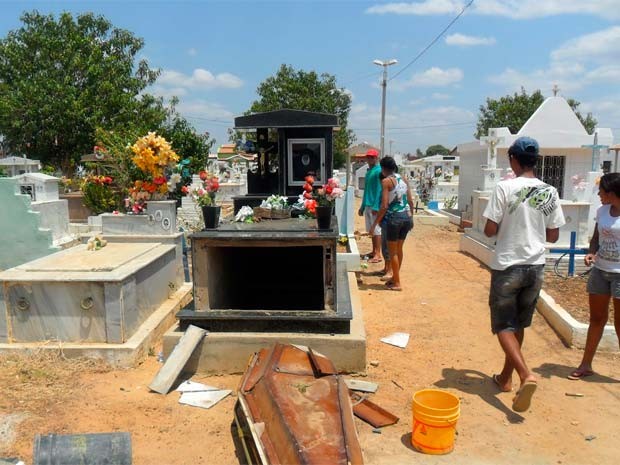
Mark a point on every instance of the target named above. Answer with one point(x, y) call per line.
point(444, 307)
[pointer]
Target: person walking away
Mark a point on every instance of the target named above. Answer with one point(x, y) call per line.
point(523, 213)
point(604, 280)
point(396, 206)
point(370, 204)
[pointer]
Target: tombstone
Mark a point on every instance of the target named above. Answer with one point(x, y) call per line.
point(303, 146)
point(14, 166)
point(43, 192)
point(23, 238)
point(278, 275)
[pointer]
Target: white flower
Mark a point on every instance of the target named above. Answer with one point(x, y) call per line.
point(175, 179)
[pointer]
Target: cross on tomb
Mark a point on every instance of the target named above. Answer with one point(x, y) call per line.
point(596, 152)
point(492, 141)
point(571, 252)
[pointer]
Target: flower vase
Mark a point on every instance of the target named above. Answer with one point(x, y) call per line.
point(324, 217)
point(211, 216)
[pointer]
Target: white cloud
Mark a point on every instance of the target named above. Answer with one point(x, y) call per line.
point(192, 52)
point(462, 40)
point(200, 79)
point(600, 46)
point(578, 63)
point(515, 9)
point(606, 111)
point(427, 7)
point(202, 109)
point(432, 77)
point(167, 92)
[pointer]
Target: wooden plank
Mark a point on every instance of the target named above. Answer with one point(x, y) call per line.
point(167, 375)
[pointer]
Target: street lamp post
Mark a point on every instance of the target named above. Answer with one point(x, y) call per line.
point(385, 64)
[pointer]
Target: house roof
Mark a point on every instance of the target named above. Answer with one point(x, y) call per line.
point(39, 176)
point(435, 159)
point(11, 161)
point(554, 115)
point(286, 118)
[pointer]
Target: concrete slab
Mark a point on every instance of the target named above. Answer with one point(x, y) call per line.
point(572, 332)
point(228, 353)
point(125, 355)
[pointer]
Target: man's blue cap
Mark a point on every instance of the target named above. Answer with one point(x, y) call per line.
point(524, 146)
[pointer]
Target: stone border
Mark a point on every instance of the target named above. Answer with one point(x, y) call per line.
point(572, 332)
point(229, 352)
point(351, 259)
point(431, 218)
point(125, 355)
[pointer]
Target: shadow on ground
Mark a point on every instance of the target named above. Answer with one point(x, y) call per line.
point(548, 370)
point(477, 383)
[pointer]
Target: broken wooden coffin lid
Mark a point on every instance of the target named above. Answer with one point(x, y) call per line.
point(295, 409)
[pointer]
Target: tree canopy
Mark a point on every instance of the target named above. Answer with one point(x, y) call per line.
point(512, 111)
point(436, 149)
point(62, 78)
point(301, 90)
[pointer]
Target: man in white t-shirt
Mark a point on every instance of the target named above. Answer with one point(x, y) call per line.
point(524, 213)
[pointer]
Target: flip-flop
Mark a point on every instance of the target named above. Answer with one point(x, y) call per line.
point(391, 287)
point(523, 399)
point(579, 374)
point(495, 378)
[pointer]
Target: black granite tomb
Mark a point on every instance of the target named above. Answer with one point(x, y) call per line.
point(290, 145)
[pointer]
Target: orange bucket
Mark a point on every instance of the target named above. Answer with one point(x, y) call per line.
point(435, 414)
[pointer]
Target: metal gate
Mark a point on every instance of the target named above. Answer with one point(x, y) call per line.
point(550, 169)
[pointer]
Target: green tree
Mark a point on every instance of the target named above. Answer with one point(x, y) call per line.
point(185, 141)
point(62, 78)
point(301, 90)
point(437, 149)
point(512, 111)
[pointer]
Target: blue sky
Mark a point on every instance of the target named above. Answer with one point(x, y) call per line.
point(213, 55)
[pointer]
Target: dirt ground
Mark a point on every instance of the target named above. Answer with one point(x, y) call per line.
point(443, 307)
point(572, 295)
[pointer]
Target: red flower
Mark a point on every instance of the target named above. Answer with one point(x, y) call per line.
point(308, 187)
point(159, 180)
point(307, 195)
point(185, 189)
point(309, 179)
point(328, 189)
point(203, 175)
point(107, 180)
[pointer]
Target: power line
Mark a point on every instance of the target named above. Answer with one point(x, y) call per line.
point(419, 55)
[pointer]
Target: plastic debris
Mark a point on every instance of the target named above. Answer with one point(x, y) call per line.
point(397, 339)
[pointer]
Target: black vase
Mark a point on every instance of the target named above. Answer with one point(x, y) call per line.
point(211, 215)
point(324, 217)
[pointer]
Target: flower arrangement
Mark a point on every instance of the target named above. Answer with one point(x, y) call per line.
point(318, 197)
point(327, 195)
point(245, 215)
point(579, 182)
point(99, 196)
point(155, 159)
point(205, 195)
point(275, 202)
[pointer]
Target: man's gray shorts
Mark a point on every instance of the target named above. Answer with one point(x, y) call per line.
point(604, 283)
point(513, 296)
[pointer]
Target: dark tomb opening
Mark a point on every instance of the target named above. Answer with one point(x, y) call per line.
point(266, 278)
